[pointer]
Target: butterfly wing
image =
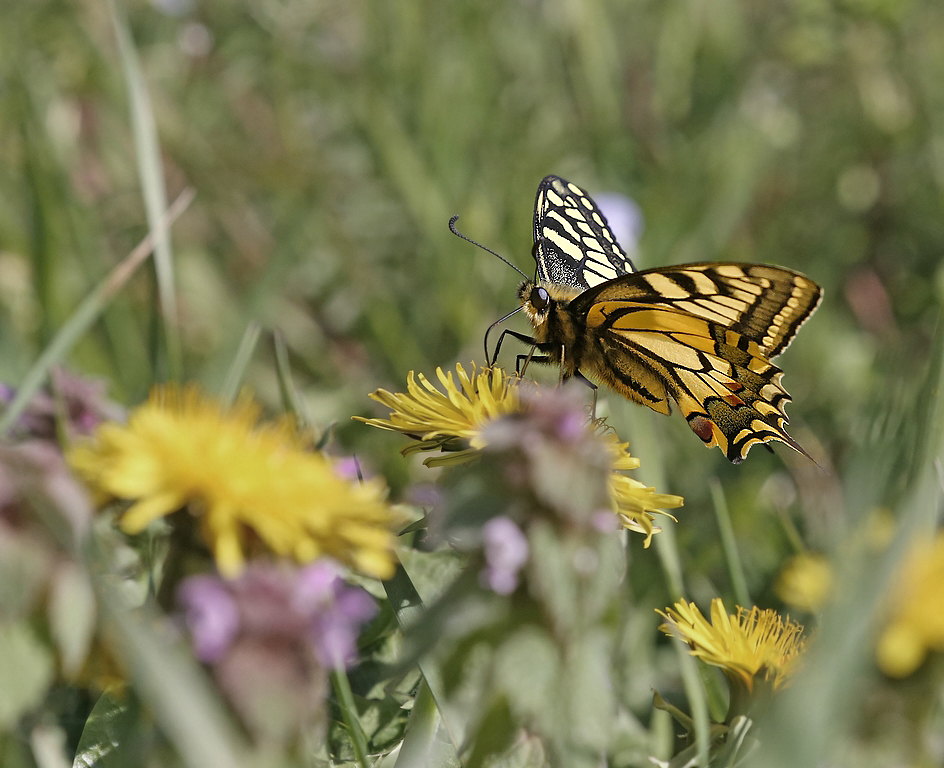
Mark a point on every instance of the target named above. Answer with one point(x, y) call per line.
point(763, 303)
point(701, 335)
point(573, 244)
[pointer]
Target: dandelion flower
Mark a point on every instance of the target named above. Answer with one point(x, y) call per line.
point(450, 421)
point(805, 582)
point(916, 624)
point(243, 478)
point(744, 645)
point(635, 503)
point(455, 421)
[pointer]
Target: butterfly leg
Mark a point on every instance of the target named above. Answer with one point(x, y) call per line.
point(593, 409)
point(528, 359)
point(513, 334)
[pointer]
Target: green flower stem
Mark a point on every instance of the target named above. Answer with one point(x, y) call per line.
point(697, 700)
point(342, 690)
point(735, 568)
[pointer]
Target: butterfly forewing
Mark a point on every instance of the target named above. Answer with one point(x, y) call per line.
point(763, 303)
point(574, 246)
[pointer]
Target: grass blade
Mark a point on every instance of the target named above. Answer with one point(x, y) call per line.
point(148, 156)
point(85, 315)
point(237, 370)
point(731, 555)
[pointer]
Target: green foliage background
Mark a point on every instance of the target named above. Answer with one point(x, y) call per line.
point(329, 143)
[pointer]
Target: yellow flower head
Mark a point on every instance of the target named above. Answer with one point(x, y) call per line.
point(916, 624)
point(745, 645)
point(453, 421)
point(636, 504)
point(242, 477)
point(450, 421)
point(805, 582)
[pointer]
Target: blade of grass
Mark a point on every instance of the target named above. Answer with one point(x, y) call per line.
point(148, 156)
point(342, 689)
point(652, 472)
point(237, 370)
point(173, 685)
point(420, 743)
point(728, 543)
point(408, 606)
point(283, 370)
point(79, 227)
point(84, 316)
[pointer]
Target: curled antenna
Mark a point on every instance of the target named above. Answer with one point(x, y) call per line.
point(457, 233)
point(497, 322)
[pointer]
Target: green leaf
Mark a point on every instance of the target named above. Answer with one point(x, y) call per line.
point(494, 734)
point(114, 734)
point(552, 576)
point(172, 685)
point(584, 695)
point(24, 564)
point(72, 611)
point(26, 670)
point(526, 668)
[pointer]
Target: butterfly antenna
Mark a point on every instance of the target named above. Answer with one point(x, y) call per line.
point(457, 233)
point(497, 322)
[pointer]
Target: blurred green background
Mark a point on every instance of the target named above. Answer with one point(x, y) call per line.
point(330, 141)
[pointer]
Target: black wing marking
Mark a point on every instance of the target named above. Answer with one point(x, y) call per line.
point(574, 245)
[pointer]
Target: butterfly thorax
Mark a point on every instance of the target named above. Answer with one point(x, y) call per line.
point(554, 328)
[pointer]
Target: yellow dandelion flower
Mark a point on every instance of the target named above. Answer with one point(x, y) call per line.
point(453, 421)
point(450, 421)
point(744, 645)
point(636, 504)
point(805, 582)
point(916, 624)
point(241, 477)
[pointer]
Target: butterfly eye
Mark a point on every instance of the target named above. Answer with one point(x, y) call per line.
point(539, 298)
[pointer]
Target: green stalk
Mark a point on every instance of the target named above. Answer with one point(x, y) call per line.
point(237, 370)
point(342, 689)
point(148, 156)
point(728, 543)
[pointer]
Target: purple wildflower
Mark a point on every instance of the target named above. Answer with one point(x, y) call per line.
point(625, 218)
point(506, 552)
point(82, 400)
point(334, 612)
point(212, 616)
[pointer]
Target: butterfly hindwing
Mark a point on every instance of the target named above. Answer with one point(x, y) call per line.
point(574, 245)
point(653, 344)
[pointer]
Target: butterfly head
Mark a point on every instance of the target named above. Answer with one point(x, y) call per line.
point(536, 302)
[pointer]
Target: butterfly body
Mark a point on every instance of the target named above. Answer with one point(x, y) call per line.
point(698, 335)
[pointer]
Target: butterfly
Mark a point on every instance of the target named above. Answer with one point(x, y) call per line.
point(697, 335)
